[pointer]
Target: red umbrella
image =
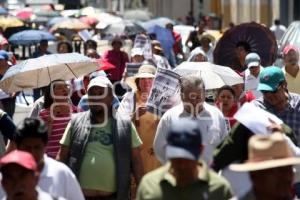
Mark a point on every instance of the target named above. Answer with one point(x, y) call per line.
point(104, 65)
point(24, 14)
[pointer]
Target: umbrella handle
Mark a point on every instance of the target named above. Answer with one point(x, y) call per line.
point(23, 95)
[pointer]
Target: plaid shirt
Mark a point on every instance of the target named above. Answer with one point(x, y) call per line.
point(290, 115)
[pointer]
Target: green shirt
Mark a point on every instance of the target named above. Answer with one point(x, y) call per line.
point(161, 185)
point(98, 170)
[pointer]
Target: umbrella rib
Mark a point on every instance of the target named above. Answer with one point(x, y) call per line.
point(71, 70)
point(49, 74)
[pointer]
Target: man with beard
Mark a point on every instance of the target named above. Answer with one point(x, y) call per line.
point(291, 68)
point(101, 148)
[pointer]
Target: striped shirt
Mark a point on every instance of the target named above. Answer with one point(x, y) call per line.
point(59, 125)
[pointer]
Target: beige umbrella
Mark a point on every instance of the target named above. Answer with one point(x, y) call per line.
point(39, 72)
point(6, 22)
point(73, 24)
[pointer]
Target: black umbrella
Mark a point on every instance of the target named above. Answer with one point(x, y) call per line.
point(260, 38)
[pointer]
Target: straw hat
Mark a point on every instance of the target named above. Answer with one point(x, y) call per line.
point(208, 36)
point(267, 152)
point(145, 71)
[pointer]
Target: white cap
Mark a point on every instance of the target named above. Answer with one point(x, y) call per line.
point(100, 81)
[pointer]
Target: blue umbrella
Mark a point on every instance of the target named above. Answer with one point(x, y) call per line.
point(30, 37)
point(3, 11)
point(160, 21)
point(56, 20)
point(164, 36)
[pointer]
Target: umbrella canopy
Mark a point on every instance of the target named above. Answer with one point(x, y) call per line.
point(164, 36)
point(24, 14)
point(124, 27)
point(30, 37)
point(56, 20)
point(160, 21)
point(106, 19)
point(72, 23)
point(89, 20)
point(6, 22)
point(140, 15)
point(291, 36)
point(214, 76)
point(104, 64)
point(3, 11)
point(260, 38)
point(39, 72)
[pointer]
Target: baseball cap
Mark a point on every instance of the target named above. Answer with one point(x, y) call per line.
point(184, 140)
point(252, 60)
point(270, 78)
point(288, 48)
point(22, 158)
point(101, 82)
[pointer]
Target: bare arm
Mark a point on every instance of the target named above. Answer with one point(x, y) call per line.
point(137, 164)
point(62, 153)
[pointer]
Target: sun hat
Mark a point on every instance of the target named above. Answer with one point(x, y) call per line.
point(266, 152)
point(100, 81)
point(145, 71)
point(252, 60)
point(184, 140)
point(270, 78)
point(156, 45)
point(22, 158)
point(208, 36)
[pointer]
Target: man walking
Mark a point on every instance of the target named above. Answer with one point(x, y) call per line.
point(210, 120)
point(270, 165)
point(98, 139)
point(184, 177)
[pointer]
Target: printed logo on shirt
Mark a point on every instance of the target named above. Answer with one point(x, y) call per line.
point(101, 136)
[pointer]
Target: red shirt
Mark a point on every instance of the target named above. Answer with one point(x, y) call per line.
point(59, 125)
point(177, 45)
point(118, 59)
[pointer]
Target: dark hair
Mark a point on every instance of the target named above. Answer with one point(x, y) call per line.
point(31, 128)
point(44, 42)
point(69, 46)
point(90, 44)
point(277, 22)
point(226, 87)
point(48, 99)
point(245, 45)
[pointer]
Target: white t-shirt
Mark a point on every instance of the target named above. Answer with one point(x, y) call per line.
point(278, 31)
point(211, 124)
point(251, 83)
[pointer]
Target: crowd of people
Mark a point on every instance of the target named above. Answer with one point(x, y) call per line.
point(95, 139)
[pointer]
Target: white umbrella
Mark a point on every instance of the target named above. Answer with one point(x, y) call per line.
point(39, 72)
point(214, 76)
